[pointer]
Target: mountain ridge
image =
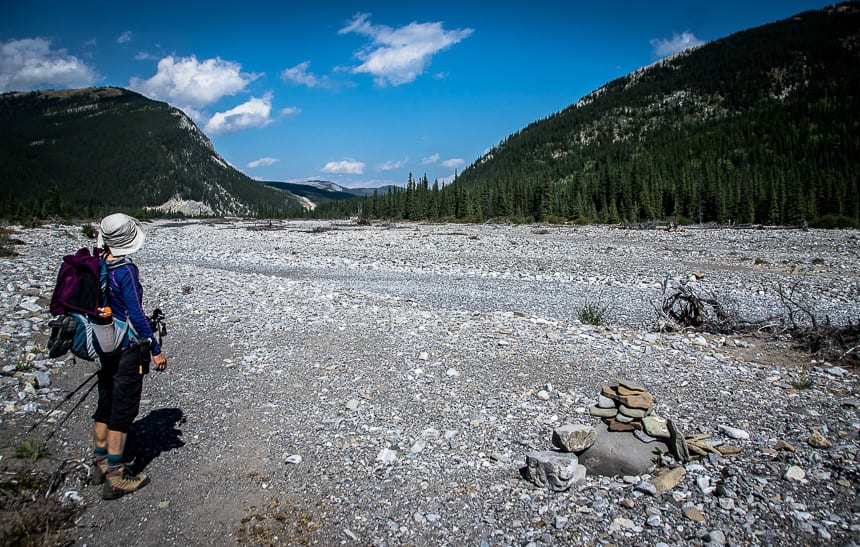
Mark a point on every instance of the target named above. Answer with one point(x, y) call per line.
point(94, 149)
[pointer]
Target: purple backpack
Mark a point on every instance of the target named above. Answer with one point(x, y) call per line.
point(78, 287)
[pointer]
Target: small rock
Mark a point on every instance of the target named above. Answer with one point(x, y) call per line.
point(783, 445)
point(668, 479)
point(656, 426)
point(574, 437)
point(694, 514)
point(452, 373)
point(644, 437)
point(353, 404)
point(817, 440)
point(715, 537)
point(647, 488)
point(386, 456)
point(294, 459)
point(795, 473)
point(43, 379)
point(557, 471)
point(164, 505)
point(734, 432)
point(543, 395)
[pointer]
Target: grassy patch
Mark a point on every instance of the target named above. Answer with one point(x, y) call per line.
point(31, 450)
point(592, 313)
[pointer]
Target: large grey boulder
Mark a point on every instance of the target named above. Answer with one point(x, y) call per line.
point(619, 453)
point(557, 471)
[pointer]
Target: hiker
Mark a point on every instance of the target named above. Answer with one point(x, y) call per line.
point(120, 378)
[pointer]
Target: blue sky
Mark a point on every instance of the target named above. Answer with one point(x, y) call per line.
point(358, 93)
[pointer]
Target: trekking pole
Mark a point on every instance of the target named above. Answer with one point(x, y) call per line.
point(66, 398)
point(69, 413)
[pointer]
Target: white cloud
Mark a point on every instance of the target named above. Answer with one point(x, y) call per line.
point(30, 64)
point(253, 113)
point(344, 167)
point(398, 56)
point(291, 111)
point(430, 159)
point(299, 75)
point(679, 42)
point(391, 165)
point(188, 83)
point(262, 162)
point(144, 56)
point(454, 162)
point(125, 37)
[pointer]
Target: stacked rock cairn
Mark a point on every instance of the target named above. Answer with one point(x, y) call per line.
point(627, 407)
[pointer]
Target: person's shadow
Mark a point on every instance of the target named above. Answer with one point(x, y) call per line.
point(153, 434)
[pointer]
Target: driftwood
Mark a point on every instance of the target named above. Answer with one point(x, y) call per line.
point(685, 306)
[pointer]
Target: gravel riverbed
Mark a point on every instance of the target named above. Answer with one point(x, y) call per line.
point(330, 383)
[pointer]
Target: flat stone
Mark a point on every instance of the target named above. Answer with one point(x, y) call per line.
point(642, 401)
point(605, 402)
point(619, 454)
point(627, 391)
point(630, 385)
point(620, 427)
point(668, 479)
point(609, 392)
point(642, 436)
point(694, 514)
point(656, 426)
point(734, 432)
point(623, 419)
point(602, 412)
point(557, 471)
point(632, 412)
point(574, 437)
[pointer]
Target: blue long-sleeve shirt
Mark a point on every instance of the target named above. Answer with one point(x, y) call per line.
point(126, 299)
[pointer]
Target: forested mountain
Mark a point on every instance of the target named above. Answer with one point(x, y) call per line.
point(88, 151)
point(758, 127)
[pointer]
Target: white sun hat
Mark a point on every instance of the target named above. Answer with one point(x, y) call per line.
point(121, 233)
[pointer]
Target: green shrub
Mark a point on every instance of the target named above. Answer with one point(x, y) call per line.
point(832, 222)
point(592, 313)
point(89, 231)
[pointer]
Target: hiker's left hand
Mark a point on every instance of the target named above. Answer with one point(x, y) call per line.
point(160, 361)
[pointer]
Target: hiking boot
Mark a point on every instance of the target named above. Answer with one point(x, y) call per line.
point(119, 482)
point(99, 469)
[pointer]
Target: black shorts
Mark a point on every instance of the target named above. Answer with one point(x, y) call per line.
point(120, 386)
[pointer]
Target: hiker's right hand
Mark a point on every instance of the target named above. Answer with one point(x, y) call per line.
point(160, 361)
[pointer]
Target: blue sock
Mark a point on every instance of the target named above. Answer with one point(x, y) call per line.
point(114, 460)
point(100, 452)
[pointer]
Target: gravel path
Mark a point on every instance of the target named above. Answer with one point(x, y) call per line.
point(335, 384)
